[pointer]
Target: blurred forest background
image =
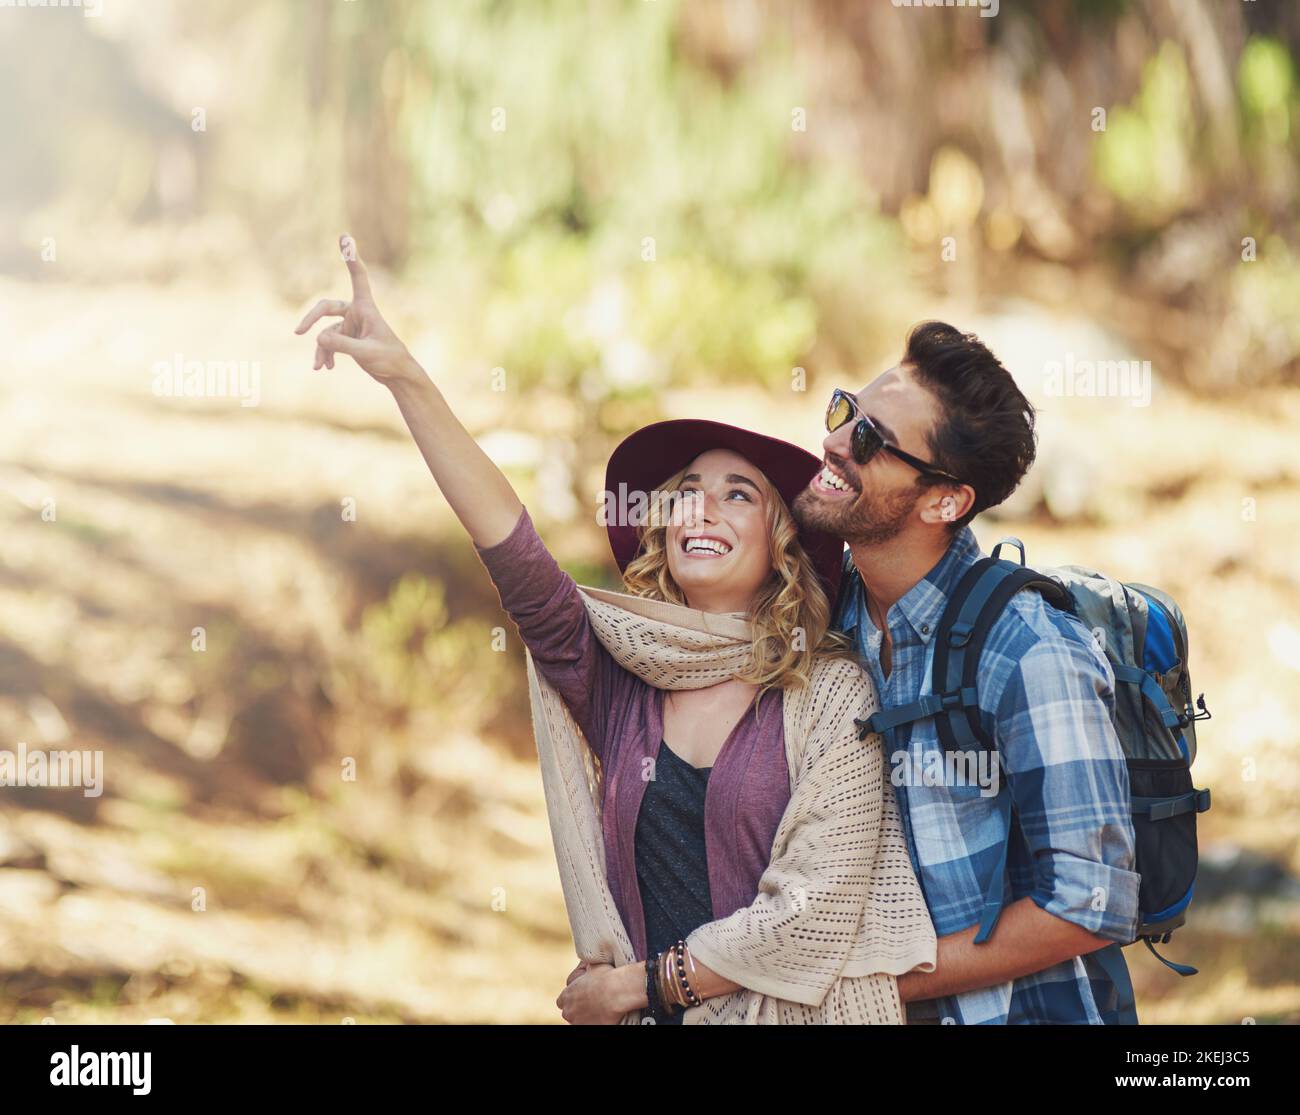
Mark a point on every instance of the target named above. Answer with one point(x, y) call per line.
point(581, 216)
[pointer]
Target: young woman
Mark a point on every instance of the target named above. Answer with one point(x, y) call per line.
point(742, 855)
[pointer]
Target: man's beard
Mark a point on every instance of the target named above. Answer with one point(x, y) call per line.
point(867, 521)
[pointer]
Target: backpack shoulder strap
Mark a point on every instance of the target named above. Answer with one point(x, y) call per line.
point(965, 629)
point(969, 615)
point(958, 657)
point(939, 699)
point(1111, 959)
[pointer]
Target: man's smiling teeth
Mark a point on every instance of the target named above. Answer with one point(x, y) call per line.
point(706, 545)
point(832, 481)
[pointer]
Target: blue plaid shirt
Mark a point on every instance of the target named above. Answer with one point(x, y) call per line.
point(1049, 691)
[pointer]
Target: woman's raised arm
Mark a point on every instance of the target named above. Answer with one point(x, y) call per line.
point(541, 598)
point(477, 490)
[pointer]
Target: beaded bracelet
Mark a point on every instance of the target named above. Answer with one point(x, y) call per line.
point(674, 987)
point(692, 999)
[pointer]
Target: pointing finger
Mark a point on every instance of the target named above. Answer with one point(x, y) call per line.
point(333, 307)
point(357, 269)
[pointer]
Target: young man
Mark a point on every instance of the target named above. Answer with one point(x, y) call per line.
point(912, 458)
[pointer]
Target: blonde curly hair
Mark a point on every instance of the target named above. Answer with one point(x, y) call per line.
point(790, 614)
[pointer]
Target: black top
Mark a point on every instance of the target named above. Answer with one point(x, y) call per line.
point(672, 865)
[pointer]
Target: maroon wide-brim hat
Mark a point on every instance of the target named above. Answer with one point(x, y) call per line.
point(648, 457)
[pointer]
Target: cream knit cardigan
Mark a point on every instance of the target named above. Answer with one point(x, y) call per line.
point(839, 913)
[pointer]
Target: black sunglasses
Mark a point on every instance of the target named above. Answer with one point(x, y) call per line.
point(868, 440)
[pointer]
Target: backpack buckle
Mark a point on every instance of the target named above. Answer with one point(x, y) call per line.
point(960, 633)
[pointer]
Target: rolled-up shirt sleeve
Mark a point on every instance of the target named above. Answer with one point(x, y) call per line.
point(1069, 783)
point(546, 606)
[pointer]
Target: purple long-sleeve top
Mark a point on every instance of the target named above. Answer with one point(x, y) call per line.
point(622, 719)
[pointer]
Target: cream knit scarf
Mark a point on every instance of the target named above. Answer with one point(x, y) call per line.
point(839, 912)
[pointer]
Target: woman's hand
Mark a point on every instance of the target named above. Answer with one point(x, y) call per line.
point(581, 969)
point(601, 994)
point(363, 333)
point(477, 490)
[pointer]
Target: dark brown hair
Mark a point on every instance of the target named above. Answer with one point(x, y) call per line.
point(985, 432)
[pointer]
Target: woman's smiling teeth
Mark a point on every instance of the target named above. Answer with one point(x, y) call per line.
point(712, 546)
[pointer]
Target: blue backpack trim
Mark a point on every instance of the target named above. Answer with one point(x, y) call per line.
point(1160, 654)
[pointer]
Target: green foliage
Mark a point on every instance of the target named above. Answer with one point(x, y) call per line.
point(1142, 155)
point(1266, 80)
point(1266, 76)
point(612, 156)
point(409, 657)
